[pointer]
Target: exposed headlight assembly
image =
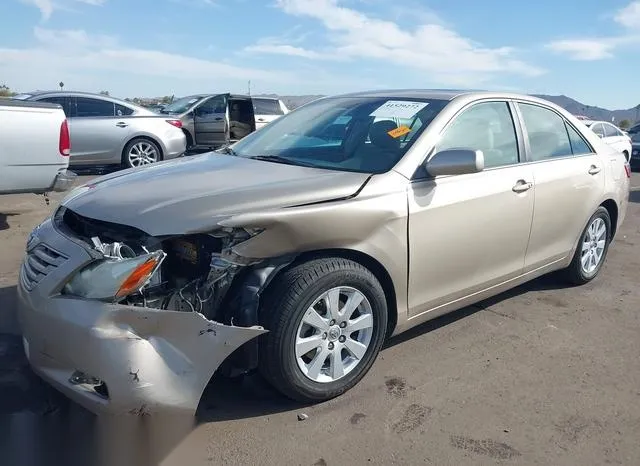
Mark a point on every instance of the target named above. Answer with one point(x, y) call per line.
point(114, 280)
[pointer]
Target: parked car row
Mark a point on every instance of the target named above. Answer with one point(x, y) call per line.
point(305, 245)
point(109, 131)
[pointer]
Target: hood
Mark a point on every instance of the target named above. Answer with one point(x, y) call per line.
point(193, 194)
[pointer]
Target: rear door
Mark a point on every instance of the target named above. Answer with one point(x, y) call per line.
point(211, 121)
point(97, 135)
point(569, 182)
point(266, 110)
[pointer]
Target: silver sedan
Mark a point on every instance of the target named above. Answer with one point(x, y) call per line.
point(108, 131)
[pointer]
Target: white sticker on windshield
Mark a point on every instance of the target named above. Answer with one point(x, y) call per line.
point(398, 109)
point(193, 101)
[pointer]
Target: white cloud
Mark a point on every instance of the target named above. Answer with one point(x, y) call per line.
point(629, 16)
point(430, 47)
point(47, 7)
point(95, 62)
point(600, 48)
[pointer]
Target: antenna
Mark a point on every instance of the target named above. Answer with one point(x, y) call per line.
point(249, 87)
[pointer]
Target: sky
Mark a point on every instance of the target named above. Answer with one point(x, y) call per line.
point(588, 50)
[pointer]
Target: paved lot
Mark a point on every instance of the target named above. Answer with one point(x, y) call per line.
point(541, 375)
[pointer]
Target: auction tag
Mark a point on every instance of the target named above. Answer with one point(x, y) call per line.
point(399, 131)
point(398, 109)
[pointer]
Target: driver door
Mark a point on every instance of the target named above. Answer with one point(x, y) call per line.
point(211, 121)
point(470, 232)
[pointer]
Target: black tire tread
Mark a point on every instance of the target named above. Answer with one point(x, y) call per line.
point(284, 295)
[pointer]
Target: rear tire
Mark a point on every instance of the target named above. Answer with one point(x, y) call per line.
point(140, 152)
point(592, 249)
point(305, 355)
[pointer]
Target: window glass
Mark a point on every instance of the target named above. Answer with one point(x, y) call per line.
point(121, 110)
point(215, 105)
point(547, 132)
point(487, 127)
point(598, 129)
point(361, 134)
point(267, 107)
point(86, 107)
point(611, 131)
point(578, 145)
point(64, 101)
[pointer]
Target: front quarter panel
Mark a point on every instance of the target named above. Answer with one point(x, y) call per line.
point(373, 223)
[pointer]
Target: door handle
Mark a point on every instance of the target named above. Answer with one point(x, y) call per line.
point(522, 186)
point(260, 119)
point(121, 124)
point(218, 119)
point(594, 170)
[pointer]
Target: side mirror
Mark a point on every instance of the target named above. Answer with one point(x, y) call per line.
point(455, 162)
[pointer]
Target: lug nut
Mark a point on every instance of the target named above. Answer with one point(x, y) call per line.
point(342, 339)
point(324, 336)
point(330, 345)
point(333, 322)
point(343, 324)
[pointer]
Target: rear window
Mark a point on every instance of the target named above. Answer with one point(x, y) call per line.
point(267, 107)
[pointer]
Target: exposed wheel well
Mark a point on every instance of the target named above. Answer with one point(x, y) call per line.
point(148, 138)
point(370, 263)
point(612, 208)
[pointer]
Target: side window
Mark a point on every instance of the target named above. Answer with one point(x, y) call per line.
point(578, 145)
point(267, 107)
point(548, 137)
point(86, 107)
point(487, 127)
point(215, 105)
point(121, 110)
point(63, 101)
point(598, 129)
point(611, 131)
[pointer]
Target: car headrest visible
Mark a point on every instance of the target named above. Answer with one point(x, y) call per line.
point(379, 134)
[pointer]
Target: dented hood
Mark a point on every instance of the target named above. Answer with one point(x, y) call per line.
point(193, 193)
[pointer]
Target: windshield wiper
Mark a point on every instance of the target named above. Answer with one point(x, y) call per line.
point(226, 150)
point(280, 159)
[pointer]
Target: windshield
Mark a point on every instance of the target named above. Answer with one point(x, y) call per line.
point(635, 137)
point(181, 105)
point(361, 134)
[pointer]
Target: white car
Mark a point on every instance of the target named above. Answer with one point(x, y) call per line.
point(612, 135)
point(267, 109)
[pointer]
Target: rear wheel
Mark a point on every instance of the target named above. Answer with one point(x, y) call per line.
point(139, 152)
point(592, 248)
point(327, 320)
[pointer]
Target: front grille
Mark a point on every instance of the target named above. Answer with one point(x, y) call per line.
point(38, 263)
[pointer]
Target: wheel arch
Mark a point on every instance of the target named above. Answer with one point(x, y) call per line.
point(612, 208)
point(371, 264)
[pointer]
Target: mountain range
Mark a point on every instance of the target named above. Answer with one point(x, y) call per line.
point(571, 105)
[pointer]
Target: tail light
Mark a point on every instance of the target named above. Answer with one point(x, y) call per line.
point(627, 169)
point(65, 140)
point(176, 123)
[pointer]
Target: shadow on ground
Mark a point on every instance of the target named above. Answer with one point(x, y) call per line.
point(634, 196)
point(4, 224)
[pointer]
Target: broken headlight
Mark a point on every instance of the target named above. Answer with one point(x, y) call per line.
point(114, 279)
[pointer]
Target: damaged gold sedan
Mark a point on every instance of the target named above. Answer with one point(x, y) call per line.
point(299, 249)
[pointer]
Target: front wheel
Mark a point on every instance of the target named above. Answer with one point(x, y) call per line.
point(592, 248)
point(139, 152)
point(327, 320)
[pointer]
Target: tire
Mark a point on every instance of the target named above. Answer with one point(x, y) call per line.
point(289, 299)
point(577, 273)
point(147, 151)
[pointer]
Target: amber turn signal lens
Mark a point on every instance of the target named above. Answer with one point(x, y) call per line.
point(138, 277)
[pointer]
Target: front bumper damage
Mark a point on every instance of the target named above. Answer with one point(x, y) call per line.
point(114, 358)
